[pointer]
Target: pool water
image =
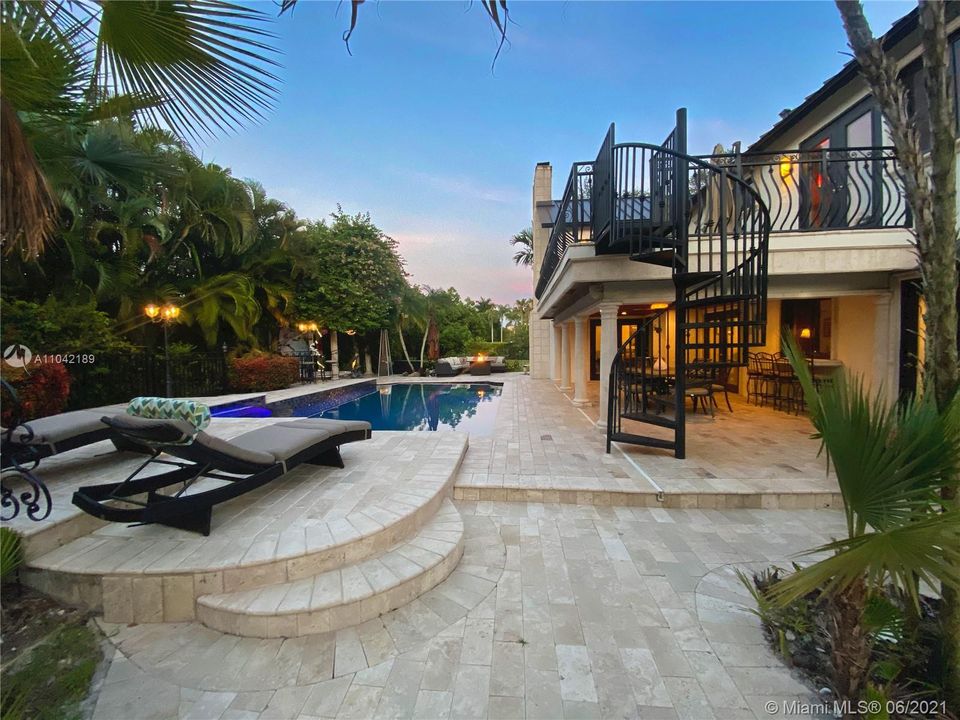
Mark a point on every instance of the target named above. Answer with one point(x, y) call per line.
point(424, 406)
point(440, 407)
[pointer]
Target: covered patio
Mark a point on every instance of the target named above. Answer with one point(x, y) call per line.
point(548, 447)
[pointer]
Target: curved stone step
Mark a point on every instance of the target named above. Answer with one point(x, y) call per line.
point(308, 522)
point(344, 596)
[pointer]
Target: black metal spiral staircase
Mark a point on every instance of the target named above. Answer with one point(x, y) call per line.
point(711, 228)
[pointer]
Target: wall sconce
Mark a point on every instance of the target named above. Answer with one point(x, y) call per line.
point(805, 334)
point(786, 167)
point(659, 306)
point(351, 332)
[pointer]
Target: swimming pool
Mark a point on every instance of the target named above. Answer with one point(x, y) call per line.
point(438, 407)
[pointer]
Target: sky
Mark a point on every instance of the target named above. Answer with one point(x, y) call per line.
point(417, 128)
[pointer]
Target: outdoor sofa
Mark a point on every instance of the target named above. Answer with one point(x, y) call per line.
point(450, 366)
point(246, 462)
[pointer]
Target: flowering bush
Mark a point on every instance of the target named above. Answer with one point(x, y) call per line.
point(259, 373)
point(44, 391)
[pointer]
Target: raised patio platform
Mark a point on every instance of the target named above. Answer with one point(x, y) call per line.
point(312, 523)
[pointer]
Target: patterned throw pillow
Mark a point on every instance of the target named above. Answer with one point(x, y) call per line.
point(160, 408)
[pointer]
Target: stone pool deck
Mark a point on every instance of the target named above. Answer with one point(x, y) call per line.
point(520, 574)
point(555, 611)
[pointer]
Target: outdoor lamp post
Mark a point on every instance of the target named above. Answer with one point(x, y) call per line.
point(164, 315)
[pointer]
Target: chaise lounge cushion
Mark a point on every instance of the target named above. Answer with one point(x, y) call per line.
point(280, 443)
point(335, 427)
point(57, 428)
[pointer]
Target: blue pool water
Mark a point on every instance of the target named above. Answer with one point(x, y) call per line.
point(467, 407)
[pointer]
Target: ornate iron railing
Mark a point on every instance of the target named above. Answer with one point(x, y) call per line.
point(803, 190)
point(826, 189)
point(572, 223)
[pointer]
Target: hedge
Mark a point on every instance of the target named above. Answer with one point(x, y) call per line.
point(260, 373)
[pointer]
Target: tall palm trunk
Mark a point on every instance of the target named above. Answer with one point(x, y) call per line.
point(403, 345)
point(423, 345)
point(850, 643)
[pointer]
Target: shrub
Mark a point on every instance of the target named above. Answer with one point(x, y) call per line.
point(262, 372)
point(11, 552)
point(58, 327)
point(43, 391)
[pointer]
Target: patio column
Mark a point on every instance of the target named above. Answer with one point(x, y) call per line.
point(581, 366)
point(566, 384)
point(608, 349)
point(556, 353)
point(334, 356)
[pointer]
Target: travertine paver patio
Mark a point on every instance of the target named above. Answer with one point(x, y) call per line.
point(556, 611)
point(545, 448)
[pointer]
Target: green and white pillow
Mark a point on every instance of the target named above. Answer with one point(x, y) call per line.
point(160, 408)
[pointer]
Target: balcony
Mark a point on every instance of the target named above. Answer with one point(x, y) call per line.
point(805, 191)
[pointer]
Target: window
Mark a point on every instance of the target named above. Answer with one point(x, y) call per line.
point(810, 323)
point(917, 106)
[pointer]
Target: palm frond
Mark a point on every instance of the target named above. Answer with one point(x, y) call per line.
point(889, 462)
point(208, 60)
point(927, 549)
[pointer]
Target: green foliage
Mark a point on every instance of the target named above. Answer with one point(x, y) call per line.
point(57, 327)
point(53, 678)
point(11, 552)
point(890, 462)
point(352, 278)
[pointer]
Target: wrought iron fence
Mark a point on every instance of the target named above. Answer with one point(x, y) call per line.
point(832, 188)
point(117, 377)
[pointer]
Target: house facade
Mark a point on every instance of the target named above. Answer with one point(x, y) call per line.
point(840, 270)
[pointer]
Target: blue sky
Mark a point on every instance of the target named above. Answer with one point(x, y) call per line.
point(416, 129)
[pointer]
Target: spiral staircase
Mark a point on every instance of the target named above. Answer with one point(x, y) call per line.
point(708, 224)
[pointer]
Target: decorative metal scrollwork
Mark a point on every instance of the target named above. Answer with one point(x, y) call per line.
point(19, 459)
point(34, 500)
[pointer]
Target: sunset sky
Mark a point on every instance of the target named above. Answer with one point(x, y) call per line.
point(416, 129)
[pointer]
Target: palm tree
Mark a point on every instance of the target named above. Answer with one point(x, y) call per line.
point(890, 462)
point(198, 68)
point(412, 308)
point(486, 308)
point(523, 240)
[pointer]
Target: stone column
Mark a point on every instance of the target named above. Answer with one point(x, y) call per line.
point(566, 382)
point(556, 352)
point(581, 362)
point(334, 356)
point(609, 340)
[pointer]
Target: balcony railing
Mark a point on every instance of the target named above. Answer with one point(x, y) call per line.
point(804, 190)
point(826, 189)
point(572, 224)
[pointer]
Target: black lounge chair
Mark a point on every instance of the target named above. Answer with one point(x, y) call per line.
point(24, 444)
point(249, 461)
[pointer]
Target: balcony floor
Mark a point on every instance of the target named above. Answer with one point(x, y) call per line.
point(545, 448)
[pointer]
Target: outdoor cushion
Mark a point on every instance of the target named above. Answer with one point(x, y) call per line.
point(57, 428)
point(193, 412)
point(152, 429)
point(335, 427)
point(281, 443)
